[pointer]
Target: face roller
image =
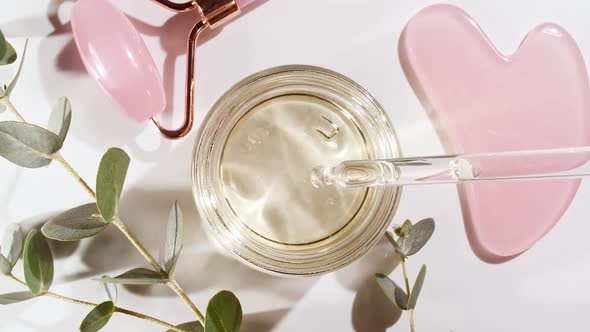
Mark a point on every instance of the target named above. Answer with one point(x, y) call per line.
point(117, 58)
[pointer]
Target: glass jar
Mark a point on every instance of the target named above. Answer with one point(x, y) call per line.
point(251, 158)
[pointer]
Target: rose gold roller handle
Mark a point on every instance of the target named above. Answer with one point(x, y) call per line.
point(214, 13)
point(188, 121)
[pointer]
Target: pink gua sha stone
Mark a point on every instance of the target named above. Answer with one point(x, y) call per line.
point(484, 101)
point(116, 56)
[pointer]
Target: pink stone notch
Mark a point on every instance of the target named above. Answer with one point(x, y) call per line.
point(484, 101)
point(116, 56)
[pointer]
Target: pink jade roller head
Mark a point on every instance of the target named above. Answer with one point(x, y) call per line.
point(116, 56)
point(484, 101)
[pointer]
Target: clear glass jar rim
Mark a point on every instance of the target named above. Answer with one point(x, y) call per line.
point(212, 134)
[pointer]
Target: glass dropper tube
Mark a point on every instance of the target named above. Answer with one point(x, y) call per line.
point(444, 169)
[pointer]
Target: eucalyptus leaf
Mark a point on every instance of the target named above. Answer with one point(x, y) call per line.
point(7, 52)
point(174, 234)
point(3, 44)
point(138, 276)
point(78, 223)
point(13, 240)
point(2, 93)
point(5, 267)
point(27, 145)
point(60, 118)
point(109, 182)
point(224, 313)
point(405, 229)
point(9, 57)
point(15, 297)
point(417, 288)
point(419, 236)
point(195, 326)
point(395, 245)
point(394, 293)
point(111, 290)
point(12, 83)
point(98, 317)
point(38, 263)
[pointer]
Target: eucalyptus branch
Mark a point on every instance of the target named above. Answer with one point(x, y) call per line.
point(137, 244)
point(90, 304)
point(57, 156)
point(178, 290)
point(411, 238)
point(408, 291)
point(31, 146)
point(174, 286)
point(6, 102)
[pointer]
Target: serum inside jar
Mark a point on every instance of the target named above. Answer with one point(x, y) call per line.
point(253, 163)
point(266, 165)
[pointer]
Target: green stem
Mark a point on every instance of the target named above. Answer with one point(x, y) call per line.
point(6, 102)
point(57, 157)
point(149, 318)
point(138, 245)
point(407, 283)
point(121, 226)
point(11, 276)
point(173, 284)
point(90, 304)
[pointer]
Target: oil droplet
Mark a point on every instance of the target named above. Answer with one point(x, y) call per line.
point(262, 132)
point(254, 140)
point(331, 201)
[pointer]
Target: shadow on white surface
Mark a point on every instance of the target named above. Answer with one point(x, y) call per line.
point(201, 267)
point(262, 321)
point(371, 311)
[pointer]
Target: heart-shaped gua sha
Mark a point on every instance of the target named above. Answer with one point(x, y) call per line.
point(484, 101)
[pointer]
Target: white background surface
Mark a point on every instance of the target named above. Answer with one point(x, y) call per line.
point(545, 289)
